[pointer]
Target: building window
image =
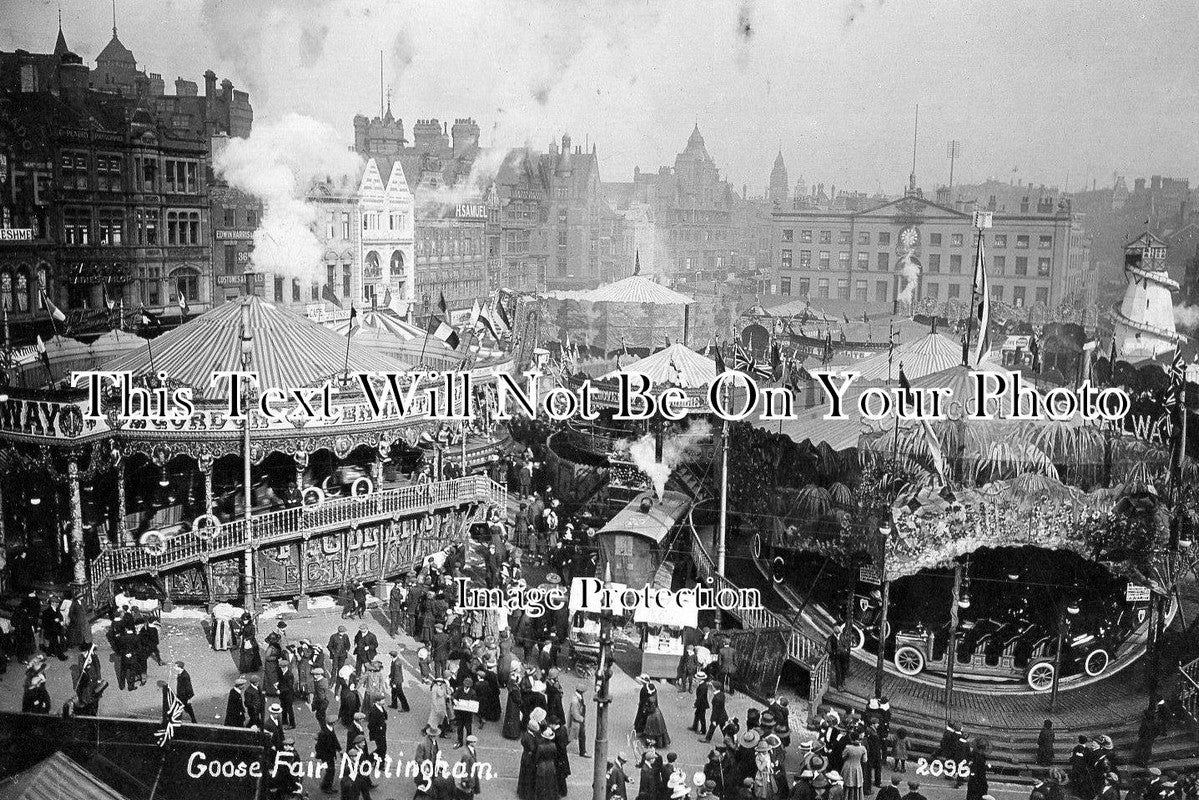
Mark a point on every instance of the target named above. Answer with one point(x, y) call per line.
point(884, 261)
point(331, 277)
point(295, 290)
point(860, 291)
point(955, 264)
point(953, 291)
point(826, 237)
point(932, 291)
point(955, 240)
point(1045, 243)
point(997, 294)
point(999, 264)
point(805, 259)
point(6, 297)
point(149, 171)
point(880, 291)
point(805, 237)
point(278, 290)
point(844, 237)
point(786, 259)
point(934, 262)
point(111, 225)
point(822, 289)
point(1043, 265)
point(345, 224)
point(788, 235)
point(1021, 265)
point(74, 170)
point(346, 274)
point(1043, 295)
point(181, 177)
point(863, 260)
point(1018, 296)
point(785, 286)
point(252, 220)
point(864, 237)
point(153, 296)
point(315, 292)
point(804, 286)
point(230, 259)
point(183, 227)
point(76, 226)
point(843, 260)
point(108, 173)
point(1001, 240)
point(230, 217)
point(934, 240)
point(187, 283)
point(843, 288)
point(884, 238)
point(825, 263)
point(1021, 242)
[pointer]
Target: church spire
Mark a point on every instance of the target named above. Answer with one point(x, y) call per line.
point(114, 19)
point(60, 45)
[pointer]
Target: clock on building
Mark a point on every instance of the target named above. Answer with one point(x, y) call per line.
point(909, 239)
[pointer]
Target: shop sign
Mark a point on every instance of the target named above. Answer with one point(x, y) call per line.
point(234, 236)
point(239, 279)
point(1135, 593)
point(16, 234)
point(473, 211)
point(869, 574)
point(1016, 342)
point(44, 419)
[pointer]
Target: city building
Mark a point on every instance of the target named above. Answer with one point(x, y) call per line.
point(1143, 321)
point(859, 255)
point(778, 181)
point(106, 192)
point(523, 191)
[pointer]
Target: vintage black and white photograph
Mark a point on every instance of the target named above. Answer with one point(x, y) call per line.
point(599, 399)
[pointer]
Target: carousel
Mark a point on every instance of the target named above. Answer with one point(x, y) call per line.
point(205, 507)
point(1014, 555)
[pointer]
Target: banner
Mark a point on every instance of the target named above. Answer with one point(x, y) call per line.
point(761, 654)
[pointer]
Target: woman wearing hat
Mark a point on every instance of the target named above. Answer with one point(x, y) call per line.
point(526, 779)
point(513, 710)
point(764, 785)
point(853, 762)
point(546, 783)
point(655, 724)
point(651, 767)
point(976, 786)
point(247, 656)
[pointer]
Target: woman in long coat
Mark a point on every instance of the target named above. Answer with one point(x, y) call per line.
point(553, 697)
point(512, 710)
point(247, 655)
point(655, 724)
point(304, 669)
point(852, 760)
point(527, 777)
point(270, 670)
point(546, 785)
point(487, 687)
point(650, 787)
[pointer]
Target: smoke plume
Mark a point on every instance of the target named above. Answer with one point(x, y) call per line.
point(277, 164)
point(1186, 317)
point(674, 448)
point(910, 270)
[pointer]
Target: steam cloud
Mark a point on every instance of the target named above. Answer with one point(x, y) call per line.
point(910, 270)
point(674, 448)
point(277, 164)
point(1186, 316)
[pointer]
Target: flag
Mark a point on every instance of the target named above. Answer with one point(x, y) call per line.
point(475, 313)
point(501, 306)
point(42, 354)
point(108, 301)
point(172, 715)
point(486, 322)
point(441, 306)
point(1034, 350)
point(182, 303)
point(719, 359)
point(444, 332)
point(149, 319)
point(776, 362)
point(744, 361)
point(353, 316)
point(982, 292)
point(846, 316)
point(1177, 376)
point(624, 346)
point(676, 375)
point(327, 294)
point(54, 310)
point(930, 436)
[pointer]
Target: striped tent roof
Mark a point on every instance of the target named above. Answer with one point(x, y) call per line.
point(931, 353)
point(387, 332)
point(633, 289)
point(289, 351)
point(676, 364)
point(56, 777)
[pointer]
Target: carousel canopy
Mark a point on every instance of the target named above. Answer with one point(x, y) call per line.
point(677, 365)
point(388, 333)
point(634, 289)
point(71, 355)
point(288, 351)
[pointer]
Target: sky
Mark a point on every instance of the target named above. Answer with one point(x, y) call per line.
point(1058, 93)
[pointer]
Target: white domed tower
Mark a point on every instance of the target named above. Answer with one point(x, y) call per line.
point(1144, 319)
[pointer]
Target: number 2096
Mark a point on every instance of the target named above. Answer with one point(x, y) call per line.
point(943, 766)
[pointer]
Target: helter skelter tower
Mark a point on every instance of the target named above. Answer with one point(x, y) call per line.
point(1144, 319)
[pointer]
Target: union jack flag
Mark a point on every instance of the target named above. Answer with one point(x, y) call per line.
point(172, 715)
point(1178, 378)
point(743, 361)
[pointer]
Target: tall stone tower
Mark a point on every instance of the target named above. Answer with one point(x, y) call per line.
point(778, 180)
point(1144, 319)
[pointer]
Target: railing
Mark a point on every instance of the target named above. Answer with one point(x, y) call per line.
point(800, 647)
point(274, 526)
point(1188, 695)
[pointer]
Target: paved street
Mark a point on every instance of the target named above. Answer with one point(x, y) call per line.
point(213, 673)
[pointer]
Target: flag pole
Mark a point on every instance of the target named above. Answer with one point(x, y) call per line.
point(349, 330)
point(978, 249)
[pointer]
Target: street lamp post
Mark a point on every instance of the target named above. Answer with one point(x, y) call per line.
point(884, 533)
point(1063, 630)
point(603, 677)
point(951, 653)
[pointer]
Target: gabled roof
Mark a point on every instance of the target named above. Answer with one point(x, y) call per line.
point(1146, 239)
point(288, 351)
point(58, 776)
point(60, 45)
point(114, 51)
point(909, 201)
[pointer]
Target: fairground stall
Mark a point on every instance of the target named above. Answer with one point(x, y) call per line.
point(204, 508)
